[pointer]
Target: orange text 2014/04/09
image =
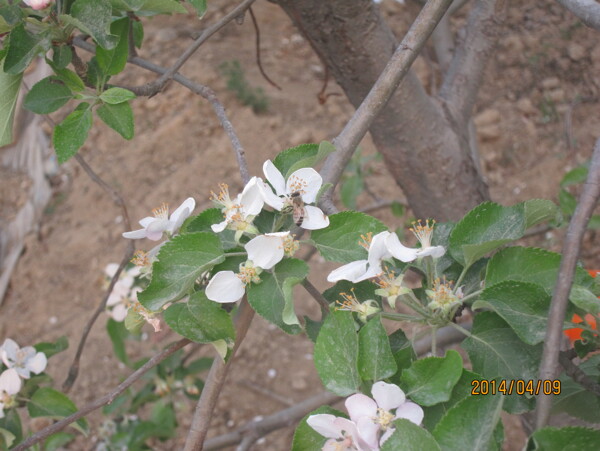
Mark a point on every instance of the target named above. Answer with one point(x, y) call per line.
point(516, 386)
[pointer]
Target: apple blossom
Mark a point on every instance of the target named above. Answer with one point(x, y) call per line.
point(305, 182)
point(227, 286)
point(10, 384)
point(424, 234)
point(23, 360)
point(38, 4)
point(265, 251)
point(352, 304)
point(374, 417)
point(443, 299)
point(341, 432)
point(155, 227)
point(390, 286)
point(123, 292)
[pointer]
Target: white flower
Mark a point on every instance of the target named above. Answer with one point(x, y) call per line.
point(240, 212)
point(10, 384)
point(227, 286)
point(365, 269)
point(24, 360)
point(304, 183)
point(342, 433)
point(390, 286)
point(124, 293)
point(38, 4)
point(154, 227)
point(265, 251)
point(374, 417)
point(443, 299)
point(352, 304)
point(423, 234)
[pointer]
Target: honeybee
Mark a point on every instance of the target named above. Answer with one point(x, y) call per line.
point(298, 210)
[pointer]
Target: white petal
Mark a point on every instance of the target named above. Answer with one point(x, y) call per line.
point(38, 363)
point(219, 227)
point(411, 412)
point(274, 177)
point(119, 313)
point(265, 251)
point(145, 222)
point(350, 271)
point(155, 230)
point(368, 431)
point(311, 183)
point(360, 405)
point(10, 349)
point(387, 396)
point(270, 198)
point(135, 234)
point(324, 424)
point(377, 249)
point(251, 198)
point(314, 218)
point(111, 269)
point(182, 212)
point(10, 382)
point(434, 251)
point(399, 250)
point(373, 271)
point(225, 286)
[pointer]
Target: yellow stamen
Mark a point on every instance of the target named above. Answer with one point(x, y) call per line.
point(384, 418)
point(365, 240)
point(290, 245)
point(423, 232)
point(248, 273)
point(161, 212)
point(140, 258)
point(297, 185)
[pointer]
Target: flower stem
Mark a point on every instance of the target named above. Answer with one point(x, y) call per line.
point(472, 295)
point(434, 341)
point(235, 254)
point(400, 317)
point(461, 329)
point(460, 278)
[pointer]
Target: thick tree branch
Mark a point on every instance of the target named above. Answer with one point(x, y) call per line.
point(465, 73)
point(393, 74)
point(558, 307)
point(575, 373)
point(588, 11)
point(104, 400)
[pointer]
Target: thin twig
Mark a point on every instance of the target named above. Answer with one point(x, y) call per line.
point(263, 391)
point(578, 375)
point(316, 294)
point(196, 88)
point(258, 61)
point(152, 88)
point(104, 400)
point(571, 249)
point(391, 77)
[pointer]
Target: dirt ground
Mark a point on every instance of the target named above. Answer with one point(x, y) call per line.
point(537, 117)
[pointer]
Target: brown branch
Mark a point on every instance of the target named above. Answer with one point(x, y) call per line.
point(316, 294)
point(214, 382)
point(461, 83)
point(588, 11)
point(258, 61)
point(104, 400)
point(152, 88)
point(198, 89)
point(571, 249)
point(391, 77)
point(578, 375)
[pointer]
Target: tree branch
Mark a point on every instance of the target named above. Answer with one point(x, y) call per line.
point(376, 100)
point(104, 400)
point(461, 83)
point(316, 294)
point(588, 11)
point(575, 373)
point(571, 248)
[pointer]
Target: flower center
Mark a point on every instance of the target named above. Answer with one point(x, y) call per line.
point(290, 245)
point(384, 418)
point(297, 185)
point(365, 240)
point(248, 273)
point(423, 232)
point(161, 212)
point(442, 295)
point(140, 258)
point(350, 303)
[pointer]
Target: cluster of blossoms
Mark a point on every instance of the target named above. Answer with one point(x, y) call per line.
point(38, 4)
point(19, 363)
point(371, 419)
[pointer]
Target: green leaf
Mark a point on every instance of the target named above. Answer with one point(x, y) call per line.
point(11, 429)
point(351, 189)
point(113, 61)
point(430, 380)
point(408, 436)
point(118, 334)
point(363, 291)
point(524, 306)
point(403, 352)
point(272, 297)
point(336, 354)
point(162, 7)
point(163, 416)
point(339, 241)
point(24, 46)
point(47, 96)
point(484, 229)
point(567, 202)
point(470, 424)
point(58, 441)
point(115, 96)
point(375, 359)
point(305, 437)
point(180, 262)
point(138, 33)
point(575, 399)
point(398, 209)
point(61, 56)
point(72, 132)
point(324, 149)
point(52, 348)
point(68, 77)
point(575, 176)
point(540, 210)
point(7, 438)
point(204, 220)
point(11, 14)
point(119, 117)
point(201, 320)
point(199, 6)
point(564, 439)
point(496, 351)
point(9, 93)
point(286, 159)
point(127, 5)
point(47, 402)
point(584, 299)
point(93, 17)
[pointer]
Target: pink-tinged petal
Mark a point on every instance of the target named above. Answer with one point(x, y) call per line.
point(387, 396)
point(135, 234)
point(182, 212)
point(10, 382)
point(368, 431)
point(330, 445)
point(145, 222)
point(378, 250)
point(274, 177)
point(119, 312)
point(323, 423)
point(309, 179)
point(314, 218)
point(387, 434)
point(433, 251)
point(350, 271)
point(38, 363)
point(265, 251)
point(399, 250)
point(251, 198)
point(225, 286)
point(360, 405)
point(411, 411)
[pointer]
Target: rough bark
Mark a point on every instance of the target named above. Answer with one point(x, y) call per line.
point(427, 157)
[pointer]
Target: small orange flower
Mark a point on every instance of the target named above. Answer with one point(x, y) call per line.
point(575, 334)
